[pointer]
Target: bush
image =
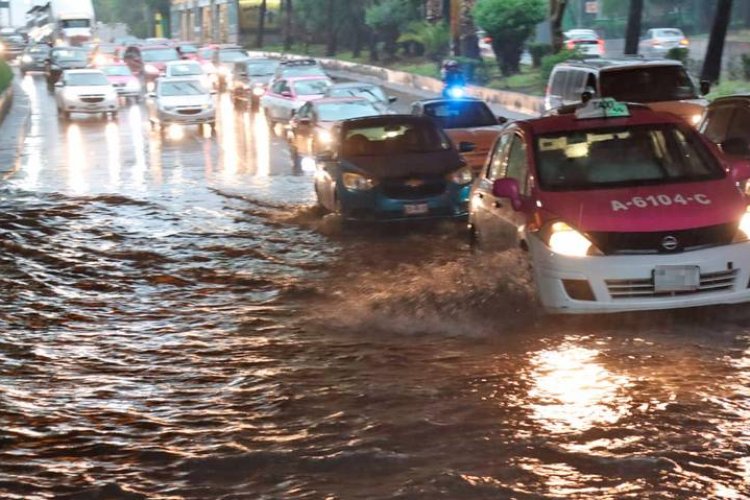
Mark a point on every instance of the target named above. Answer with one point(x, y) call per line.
point(433, 39)
point(679, 54)
point(549, 62)
point(6, 76)
point(473, 69)
point(746, 66)
point(538, 51)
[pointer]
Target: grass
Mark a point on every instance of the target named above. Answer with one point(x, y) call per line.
point(528, 81)
point(729, 87)
point(6, 76)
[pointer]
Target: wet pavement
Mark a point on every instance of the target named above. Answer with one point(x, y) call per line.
point(179, 321)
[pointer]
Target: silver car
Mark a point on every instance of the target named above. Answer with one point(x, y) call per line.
point(181, 101)
point(85, 91)
point(659, 41)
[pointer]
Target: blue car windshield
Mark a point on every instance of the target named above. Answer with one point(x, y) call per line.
point(393, 139)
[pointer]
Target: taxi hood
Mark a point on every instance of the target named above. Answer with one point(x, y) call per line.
point(483, 137)
point(669, 207)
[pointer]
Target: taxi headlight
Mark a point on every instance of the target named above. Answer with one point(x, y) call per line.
point(150, 68)
point(133, 85)
point(744, 227)
point(27, 59)
point(357, 182)
point(565, 240)
point(168, 108)
point(325, 137)
point(462, 176)
point(258, 91)
point(696, 119)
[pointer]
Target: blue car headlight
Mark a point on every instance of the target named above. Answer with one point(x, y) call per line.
point(461, 176)
point(357, 182)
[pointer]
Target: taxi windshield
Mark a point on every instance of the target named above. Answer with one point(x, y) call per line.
point(311, 87)
point(232, 55)
point(116, 70)
point(394, 139)
point(460, 114)
point(624, 157)
point(185, 69)
point(651, 84)
point(160, 55)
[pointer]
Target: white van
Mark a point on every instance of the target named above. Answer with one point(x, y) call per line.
point(663, 85)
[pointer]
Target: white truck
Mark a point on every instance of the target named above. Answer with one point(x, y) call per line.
point(65, 22)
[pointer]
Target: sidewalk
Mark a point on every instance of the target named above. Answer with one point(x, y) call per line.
point(13, 131)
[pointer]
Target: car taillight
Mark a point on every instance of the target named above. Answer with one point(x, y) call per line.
point(600, 42)
point(571, 45)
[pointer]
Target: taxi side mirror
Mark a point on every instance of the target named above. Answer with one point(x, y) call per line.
point(392, 99)
point(59, 84)
point(286, 93)
point(740, 170)
point(705, 87)
point(509, 189)
point(501, 120)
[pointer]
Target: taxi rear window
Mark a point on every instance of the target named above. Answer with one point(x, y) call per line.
point(623, 157)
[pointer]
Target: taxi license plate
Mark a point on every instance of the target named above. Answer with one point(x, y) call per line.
point(416, 209)
point(677, 278)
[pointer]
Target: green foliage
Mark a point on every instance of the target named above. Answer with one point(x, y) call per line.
point(549, 62)
point(6, 76)
point(390, 18)
point(679, 54)
point(538, 51)
point(509, 23)
point(433, 38)
point(746, 66)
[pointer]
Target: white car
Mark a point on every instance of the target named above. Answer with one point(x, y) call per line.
point(85, 91)
point(285, 96)
point(187, 69)
point(659, 41)
point(181, 101)
point(586, 41)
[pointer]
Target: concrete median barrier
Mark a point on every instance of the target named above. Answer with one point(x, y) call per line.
point(514, 101)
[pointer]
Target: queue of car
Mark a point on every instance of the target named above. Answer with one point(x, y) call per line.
point(628, 194)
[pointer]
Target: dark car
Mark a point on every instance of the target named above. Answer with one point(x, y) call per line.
point(393, 167)
point(726, 123)
point(292, 68)
point(373, 93)
point(62, 58)
point(34, 58)
point(310, 127)
point(11, 46)
point(251, 79)
point(223, 60)
point(149, 62)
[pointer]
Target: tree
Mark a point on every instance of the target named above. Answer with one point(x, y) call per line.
point(434, 39)
point(388, 19)
point(509, 23)
point(288, 25)
point(712, 63)
point(556, 14)
point(261, 23)
point(633, 32)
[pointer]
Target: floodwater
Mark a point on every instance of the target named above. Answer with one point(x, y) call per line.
point(178, 321)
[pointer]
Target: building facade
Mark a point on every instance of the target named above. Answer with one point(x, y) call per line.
point(204, 21)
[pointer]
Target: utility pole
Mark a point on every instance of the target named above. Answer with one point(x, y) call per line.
point(633, 33)
point(715, 51)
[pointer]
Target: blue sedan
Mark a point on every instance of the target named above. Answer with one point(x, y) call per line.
point(394, 167)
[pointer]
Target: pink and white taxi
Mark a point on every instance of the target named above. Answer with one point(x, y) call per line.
point(621, 208)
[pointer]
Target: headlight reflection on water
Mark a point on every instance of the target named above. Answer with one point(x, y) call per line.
point(572, 392)
point(77, 161)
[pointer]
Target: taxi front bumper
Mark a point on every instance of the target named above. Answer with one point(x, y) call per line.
point(611, 284)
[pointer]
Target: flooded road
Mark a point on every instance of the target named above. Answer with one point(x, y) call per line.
point(176, 323)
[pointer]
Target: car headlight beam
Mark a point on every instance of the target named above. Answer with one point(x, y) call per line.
point(325, 137)
point(565, 240)
point(744, 226)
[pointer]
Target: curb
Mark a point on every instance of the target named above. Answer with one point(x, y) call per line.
point(514, 101)
point(14, 126)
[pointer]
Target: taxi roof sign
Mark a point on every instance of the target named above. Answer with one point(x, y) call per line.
point(603, 108)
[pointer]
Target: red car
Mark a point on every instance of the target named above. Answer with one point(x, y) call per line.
point(123, 80)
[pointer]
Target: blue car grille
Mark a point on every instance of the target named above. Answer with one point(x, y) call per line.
point(405, 189)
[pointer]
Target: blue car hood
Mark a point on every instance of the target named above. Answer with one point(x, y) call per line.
point(408, 165)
